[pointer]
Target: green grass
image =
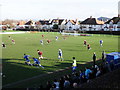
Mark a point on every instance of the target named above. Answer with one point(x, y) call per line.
point(12, 56)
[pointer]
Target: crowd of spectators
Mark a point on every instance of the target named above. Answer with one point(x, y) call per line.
point(76, 79)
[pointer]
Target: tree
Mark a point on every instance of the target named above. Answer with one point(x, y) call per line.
point(9, 23)
point(55, 26)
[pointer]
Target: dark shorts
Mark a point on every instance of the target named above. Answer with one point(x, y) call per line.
point(27, 60)
point(60, 54)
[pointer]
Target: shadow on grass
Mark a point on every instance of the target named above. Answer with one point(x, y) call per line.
point(18, 61)
point(16, 73)
point(110, 51)
point(77, 61)
point(73, 50)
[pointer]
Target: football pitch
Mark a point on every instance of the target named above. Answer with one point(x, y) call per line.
point(72, 46)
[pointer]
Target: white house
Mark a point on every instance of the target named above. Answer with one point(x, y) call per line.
point(112, 24)
point(91, 24)
point(58, 22)
point(71, 25)
point(62, 26)
point(45, 24)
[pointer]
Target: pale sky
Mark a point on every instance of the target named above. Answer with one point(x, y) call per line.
point(64, 9)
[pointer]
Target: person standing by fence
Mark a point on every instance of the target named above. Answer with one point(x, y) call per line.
point(94, 59)
point(103, 56)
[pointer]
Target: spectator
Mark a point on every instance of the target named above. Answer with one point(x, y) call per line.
point(67, 83)
point(61, 85)
point(94, 59)
point(87, 72)
point(76, 78)
point(56, 83)
point(54, 87)
point(75, 85)
point(83, 79)
point(103, 56)
point(92, 75)
point(48, 86)
point(107, 66)
point(69, 77)
point(96, 66)
point(112, 65)
point(81, 74)
point(98, 72)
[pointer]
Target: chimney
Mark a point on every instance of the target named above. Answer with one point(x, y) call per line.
point(90, 16)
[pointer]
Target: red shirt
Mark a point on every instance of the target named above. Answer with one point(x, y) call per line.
point(42, 35)
point(88, 45)
point(84, 42)
point(48, 41)
point(13, 41)
point(39, 53)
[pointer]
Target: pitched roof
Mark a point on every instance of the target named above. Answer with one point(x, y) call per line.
point(92, 21)
point(59, 21)
point(72, 21)
point(21, 22)
point(37, 23)
point(114, 19)
point(43, 22)
point(29, 22)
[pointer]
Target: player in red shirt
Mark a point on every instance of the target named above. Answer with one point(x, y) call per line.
point(13, 41)
point(85, 42)
point(48, 41)
point(42, 35)
point(40, 54)
point(88, 46)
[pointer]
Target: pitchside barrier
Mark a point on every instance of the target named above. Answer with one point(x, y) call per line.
point(104, 32)
point(114, 58)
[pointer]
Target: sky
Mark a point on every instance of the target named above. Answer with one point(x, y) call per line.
point(63, 9)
